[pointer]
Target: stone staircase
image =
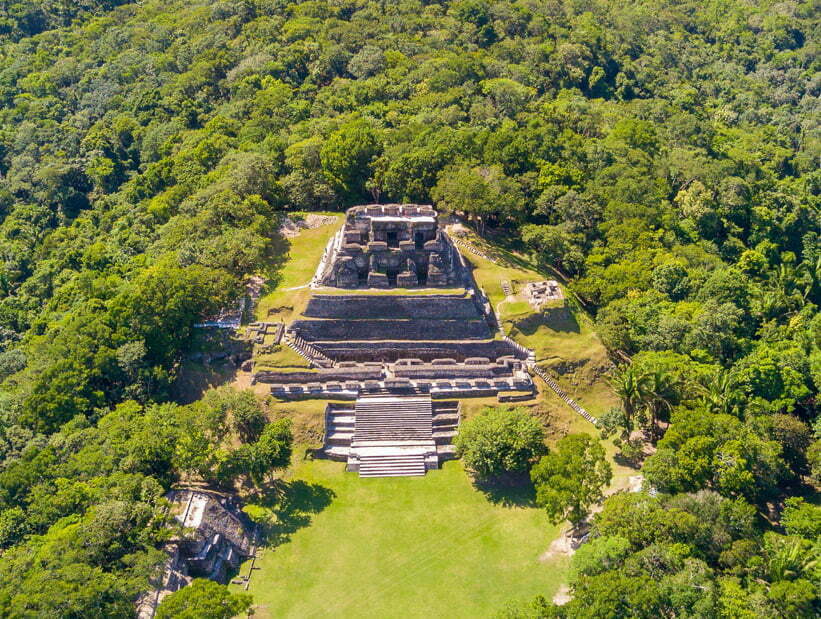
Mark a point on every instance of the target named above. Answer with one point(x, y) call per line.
point(391, 434)
point(391, 419)
point(445, 422)
point(307, 351)
point(561, 393)
point(339, 425)
point(398, 465)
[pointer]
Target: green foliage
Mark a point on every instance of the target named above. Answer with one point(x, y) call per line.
point(500, 441)
point(203, 599)
point(148, 151)
point(599, 555)
point(347, 155)
point(571, 478)
point(801, 518)
point(703, 450)
point(481, 192)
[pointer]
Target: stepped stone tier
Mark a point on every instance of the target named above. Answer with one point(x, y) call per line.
point(390, 246)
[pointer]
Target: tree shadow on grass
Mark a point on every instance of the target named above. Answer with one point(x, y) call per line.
point(294, 504)
point(276, 258)
point(514, 491)
point(559, 319)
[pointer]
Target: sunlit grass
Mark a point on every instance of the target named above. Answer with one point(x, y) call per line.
point(431, 546)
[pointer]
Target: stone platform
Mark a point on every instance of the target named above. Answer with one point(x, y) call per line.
point(391, 436)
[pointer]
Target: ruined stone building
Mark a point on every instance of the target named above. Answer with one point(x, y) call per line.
point(389, 246)
point(216, 538)
point(396, 323)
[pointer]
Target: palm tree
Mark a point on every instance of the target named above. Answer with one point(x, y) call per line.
point(631, 387)
point(661, 394)
point(791, 560)
point(810, 278)
point(718, 394)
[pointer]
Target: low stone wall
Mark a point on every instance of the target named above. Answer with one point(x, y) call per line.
point(342, 330)
point(436, 307)
point(427, 370)
point(323, 375)
point(427, 351)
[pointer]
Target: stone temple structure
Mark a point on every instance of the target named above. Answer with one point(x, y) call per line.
point(396, 323)
point(388, 246)
point(216, 538)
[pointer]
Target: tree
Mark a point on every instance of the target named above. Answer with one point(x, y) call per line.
point(481, 192)
point(272, 450)
point(347, 156)
point(366, 62)
point(64, 390)
point(632, 388)
point(801, 518)
point(571, 478)
point(500, 442)
point(247, 416)
point(203, 599)
point(554, 246)
point(600, 554)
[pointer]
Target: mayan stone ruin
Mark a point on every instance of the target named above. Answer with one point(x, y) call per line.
point(396, 323)
point(391, 246)
point(216, 538)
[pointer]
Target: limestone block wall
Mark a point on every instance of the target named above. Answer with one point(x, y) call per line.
point(424, 350)
point(323, 375)
point(389, 306)
point(343, 330)
point(427, 370)
point(392, 245)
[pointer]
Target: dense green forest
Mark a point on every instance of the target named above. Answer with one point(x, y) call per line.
point(662, 154)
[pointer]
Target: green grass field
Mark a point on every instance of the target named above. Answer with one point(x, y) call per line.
point(431, 546)
point(299, 265)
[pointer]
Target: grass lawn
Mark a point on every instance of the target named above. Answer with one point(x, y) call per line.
point(280, 357)
point(431, 546)
point(300, 263)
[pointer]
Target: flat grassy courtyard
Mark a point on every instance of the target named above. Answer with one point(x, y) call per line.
point(431, 546)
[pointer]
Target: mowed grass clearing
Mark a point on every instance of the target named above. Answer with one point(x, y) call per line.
point(299, 265)
point(431, 546)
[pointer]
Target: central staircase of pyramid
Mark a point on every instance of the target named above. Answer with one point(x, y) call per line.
point(389, 435)
point(392, 436)
point(390, 419)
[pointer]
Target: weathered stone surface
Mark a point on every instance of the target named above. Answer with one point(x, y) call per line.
point(377, 280)
point(342, 330)
point(426, 350)
point(393, 306)
point(403, 242)
point(407, 279)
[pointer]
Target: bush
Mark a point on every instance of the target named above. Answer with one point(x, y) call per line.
point(203, 599)
point(500, 442)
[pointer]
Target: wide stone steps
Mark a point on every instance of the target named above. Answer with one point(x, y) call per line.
point(445, 419)
point(339, 438)
point(444, 437)
point(390, 418)
point(392, 466)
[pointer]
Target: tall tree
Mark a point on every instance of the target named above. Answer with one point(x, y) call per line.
point(571, 478)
